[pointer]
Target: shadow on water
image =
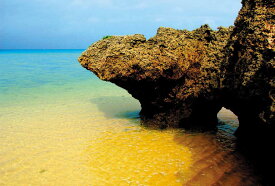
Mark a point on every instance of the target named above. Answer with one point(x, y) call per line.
point(222, 158)
point(258, 148)
point(216, 158)
point(118, 106)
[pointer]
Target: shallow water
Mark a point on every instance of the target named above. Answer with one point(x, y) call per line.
point(60, 125)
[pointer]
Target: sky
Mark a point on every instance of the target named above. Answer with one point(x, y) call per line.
point(76, 24)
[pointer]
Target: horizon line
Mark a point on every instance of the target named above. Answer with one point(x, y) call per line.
point(42, 49)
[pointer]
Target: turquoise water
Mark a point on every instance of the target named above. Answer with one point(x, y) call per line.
point(32, 68)
point(38, 67)
point(30, 74)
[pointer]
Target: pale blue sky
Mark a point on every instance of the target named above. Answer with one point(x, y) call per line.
point(65, 24)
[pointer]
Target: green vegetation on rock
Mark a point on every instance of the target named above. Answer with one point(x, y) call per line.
point(106, 37)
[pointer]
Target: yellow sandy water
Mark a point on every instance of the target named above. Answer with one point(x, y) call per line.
point(139, 157)
point(72, 142)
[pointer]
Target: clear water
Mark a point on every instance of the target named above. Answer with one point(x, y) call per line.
point(61, 125)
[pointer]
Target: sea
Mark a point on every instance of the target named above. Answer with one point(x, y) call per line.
point(61, 125)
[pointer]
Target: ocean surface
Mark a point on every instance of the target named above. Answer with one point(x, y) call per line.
point(61, 125)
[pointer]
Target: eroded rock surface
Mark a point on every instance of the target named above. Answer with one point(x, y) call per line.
point(183, 78)
point(175, 75)
point(249, 80)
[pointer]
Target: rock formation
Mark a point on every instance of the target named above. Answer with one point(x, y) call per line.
point(175, 75)
point(183, 78)
point(249, 78)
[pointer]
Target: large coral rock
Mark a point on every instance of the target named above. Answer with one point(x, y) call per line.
point(249, 81)
point(175, 75)
point(183, 78)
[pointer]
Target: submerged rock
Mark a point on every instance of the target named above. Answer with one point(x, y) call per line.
point(183, 78)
